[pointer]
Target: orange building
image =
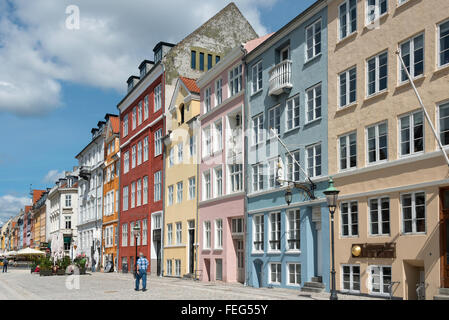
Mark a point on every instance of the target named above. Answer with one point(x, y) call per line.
point(111, 191)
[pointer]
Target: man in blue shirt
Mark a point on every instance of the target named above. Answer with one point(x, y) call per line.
point(142, 266)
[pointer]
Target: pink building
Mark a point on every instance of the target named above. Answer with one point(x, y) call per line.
point(221, 174)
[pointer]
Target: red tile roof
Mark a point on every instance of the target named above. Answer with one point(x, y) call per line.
point(253, 44)
point(190, 84)
point(37, 195)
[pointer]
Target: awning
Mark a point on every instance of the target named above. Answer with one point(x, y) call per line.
point(67, 240)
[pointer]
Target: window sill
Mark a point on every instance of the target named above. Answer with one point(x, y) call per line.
point(346, 107)
point(313, 58)
point(218, 249)
point(376, 163)
point(407, 82)
point(376, 95)
point(312, 121)
point(347, 38)
point(375, 21)
point(291, 130)
point(274, 252)
point(411, 155)
point(349, 237)
point(256, 93)
point(442, 68)
point(293, 252)
point(347, 170)
point(257, 253)
point(413, 233)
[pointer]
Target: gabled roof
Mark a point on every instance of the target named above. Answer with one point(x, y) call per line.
point(190, 84)
point(253, 44)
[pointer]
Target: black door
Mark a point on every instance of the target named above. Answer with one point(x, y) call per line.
point(158, 254)
point(192, 251)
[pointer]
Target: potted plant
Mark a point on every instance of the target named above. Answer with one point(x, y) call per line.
point(45, 266)
point(80, 262)
point(62, 266)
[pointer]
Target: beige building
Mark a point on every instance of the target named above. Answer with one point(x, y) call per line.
point(384, 158)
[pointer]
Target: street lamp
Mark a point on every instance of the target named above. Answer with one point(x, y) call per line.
point(331, 196)
point(288, 196)
point(136, 231)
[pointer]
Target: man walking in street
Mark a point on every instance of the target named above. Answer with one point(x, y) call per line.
point(5, 265)
point(142, 266)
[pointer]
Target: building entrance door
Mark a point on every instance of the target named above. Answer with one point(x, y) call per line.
point(191, 251)
point(158, 255)
point(444, 236)
point(240, 261)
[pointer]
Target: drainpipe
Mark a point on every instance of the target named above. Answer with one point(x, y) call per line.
point(245, 161)
point(197, 205)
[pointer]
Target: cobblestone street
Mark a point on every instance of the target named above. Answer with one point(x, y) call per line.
point(22, 285)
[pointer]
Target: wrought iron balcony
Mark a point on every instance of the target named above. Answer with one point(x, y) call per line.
point(280, 77)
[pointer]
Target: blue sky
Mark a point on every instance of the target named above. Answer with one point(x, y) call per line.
point(54, 88)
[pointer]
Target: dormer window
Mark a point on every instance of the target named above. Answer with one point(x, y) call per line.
point(130, 85)
point(143, 71)
point(158, 56)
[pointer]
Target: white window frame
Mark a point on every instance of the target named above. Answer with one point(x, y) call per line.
point(314, 156)
point(139, 113)
point(348, 21)
point(179, 192)
point(411, 136)
point(274, 120)
point(207, 235)
point(134, 118)
point(180, 152)
point(158, 143)
point(439, 65)
point(292, 113)
point(146, 108)
point(348, 90)
point(192, 188)
point(292, 168)
point(207, 100)
point(218, 190)
point(218, 234)
point(125, 198)
point(258, 219)
point(257, 77)
point(139, 193)
point(379, 217)
point(171, 191)
point(377, 139)
point(145, 149)
point(350, 222)
point(258, 129)
point(157, 186)
point(313, 91)
point(145, 190)
point(278, 273)
point(178, 233)
point(258, 177)
point(351, 278)
point(347, 138)
point(293, 229)
point(412, 62)
point(233, 77)
point(169, 233)
point(218, 92)
point(125, 125)
point(277, 231)
point(439, 117)
point(125, 235)
point(377, 14)
point(381, 279)
point(126, 162)
point(217, 139)
point(234, 177)
point(207, 173)
point(157, 98)
point(139, 153)
point(133, 195)
point(314, 44)
point(377, 89)
point(133, 156)
point(413, 213)
point(295, 274)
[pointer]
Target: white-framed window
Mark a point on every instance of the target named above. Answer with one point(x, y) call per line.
point(443, 116)
point(139, 193)
point(380, 279)
point(207, 235)
point(411, 133)
point(401, 1)
point(348, 151)
point(207, 100)
point(68, 200)
point(350, 278)
point(169, 267)
point(116, 200)
point(275, 273)
point(313, 103)
point(179, 190)
point(157, 98)
point(139, 113)
point(68, 222)
point(293, 230)
point(145, 108)
point(235, 177)
point(237, 226)
point(177, 267)
point(275, 231)
point(157, 186)
point(192, 146)
point(218, 234)
point(218, 92)
point(235, 80)
point(272, 174)
point(377, 142)
point(375, 9)
point(170, 195)
point(292, 115)
point(145, 190)
point(443, 44)
point(139, 153)
point(133, 157)
point(314, 160)
point(207, 190)
point(218, 182)
point(145, 149)
point(192, 188)
point(178, 232)
point(169, 234)
point(218, 136)
point(134, 118)
point(125, 125)
point(293, 173)
point(348, 87)
point(158, 143)
point(412, 53)
point(171, 157)
point(347, 18)
point(125, 198)
point(133, 195)
point(126, 162)
point(377, 74)
point(259, 231)
point(124, 235)
point(379, 215)
point(349, 219)
point(207, 142)
point(413, 212)
point(144, 232)
point(294, 274)
point(274, 119)
point(257, 77)
point(313, 40)
point(258, 129)
point(258, 175)
point(180, 152)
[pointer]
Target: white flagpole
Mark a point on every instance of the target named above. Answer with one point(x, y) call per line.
point(422, 106)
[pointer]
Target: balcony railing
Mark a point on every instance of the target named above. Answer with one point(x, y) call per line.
point(280, 77)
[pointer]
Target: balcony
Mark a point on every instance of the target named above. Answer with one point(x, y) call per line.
point(234, 147)
point(85, 172)
point(280, 78)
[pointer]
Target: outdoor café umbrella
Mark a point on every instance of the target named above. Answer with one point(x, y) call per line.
point(10, 253)
point(29, 252)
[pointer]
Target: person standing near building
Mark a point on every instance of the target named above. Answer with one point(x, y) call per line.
point(142, 266)
point(5, 265)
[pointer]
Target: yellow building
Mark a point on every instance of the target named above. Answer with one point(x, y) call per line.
point(111, 191)
point(384, 158)
point(181, 181)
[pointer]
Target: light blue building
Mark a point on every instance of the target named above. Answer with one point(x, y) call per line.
point(288, 245)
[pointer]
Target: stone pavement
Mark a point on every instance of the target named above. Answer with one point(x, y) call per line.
point(22, 285)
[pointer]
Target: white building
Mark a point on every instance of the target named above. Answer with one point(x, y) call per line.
point(62, 211)
point(90, 191)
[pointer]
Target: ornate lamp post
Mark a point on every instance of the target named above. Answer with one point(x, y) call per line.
point(136, 231)
point(331, 197)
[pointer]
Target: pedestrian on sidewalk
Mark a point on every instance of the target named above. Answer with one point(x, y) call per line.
point(142, 266)
point(5, 265)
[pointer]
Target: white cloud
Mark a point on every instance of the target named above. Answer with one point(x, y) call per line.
point(10, 206)
point(38, 52)
point(53, 175)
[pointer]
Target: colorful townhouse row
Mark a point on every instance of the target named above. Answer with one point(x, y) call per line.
point(219, 128)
